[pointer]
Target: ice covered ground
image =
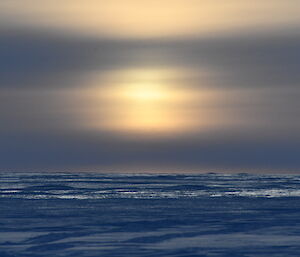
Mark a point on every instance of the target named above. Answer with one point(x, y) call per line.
point(155, 215)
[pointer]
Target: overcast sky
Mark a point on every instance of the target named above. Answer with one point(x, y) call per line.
point(150, 86)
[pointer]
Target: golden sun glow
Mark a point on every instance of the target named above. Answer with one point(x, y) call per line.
point(144, 101)
point(147, 107)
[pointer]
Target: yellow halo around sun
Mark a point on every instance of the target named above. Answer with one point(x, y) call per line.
point(146, 102)
point(144, 106)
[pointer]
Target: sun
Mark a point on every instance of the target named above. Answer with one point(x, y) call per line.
point(144, 105)
point(145, 91)
point(143, 101)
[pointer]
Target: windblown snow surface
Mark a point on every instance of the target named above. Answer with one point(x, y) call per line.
point(111, 215)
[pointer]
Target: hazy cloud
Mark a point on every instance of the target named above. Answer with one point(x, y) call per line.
point(263, 70)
